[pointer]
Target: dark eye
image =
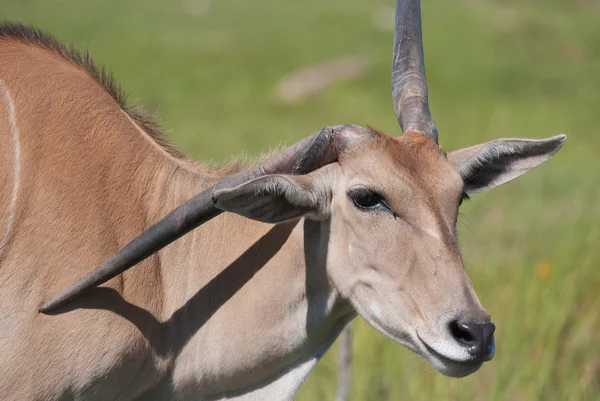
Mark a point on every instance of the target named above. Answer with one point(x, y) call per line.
point(463, 198)
point(366, 199)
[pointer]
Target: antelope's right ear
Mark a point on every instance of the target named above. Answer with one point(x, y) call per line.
point(274, 198)
point(494, 163)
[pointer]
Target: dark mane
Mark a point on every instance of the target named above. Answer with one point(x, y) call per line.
point(84, 61)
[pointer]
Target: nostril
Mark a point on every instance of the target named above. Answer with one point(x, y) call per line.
point(462, 334)
point(477, 337)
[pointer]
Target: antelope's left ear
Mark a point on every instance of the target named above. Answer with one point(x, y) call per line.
point(490, 164)
point(275, 198)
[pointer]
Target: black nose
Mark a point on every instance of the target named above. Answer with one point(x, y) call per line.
point(477, 337)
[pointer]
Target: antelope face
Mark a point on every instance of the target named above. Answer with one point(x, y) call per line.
point(393, 251)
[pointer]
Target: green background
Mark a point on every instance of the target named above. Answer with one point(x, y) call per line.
point(513, 68)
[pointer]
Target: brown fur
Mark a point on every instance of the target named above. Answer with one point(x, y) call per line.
point(90, 182)
point(35, 37)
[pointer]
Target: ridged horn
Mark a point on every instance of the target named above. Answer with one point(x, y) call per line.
point(409, 86)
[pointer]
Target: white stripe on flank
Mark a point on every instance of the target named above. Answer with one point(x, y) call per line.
point(12, 119)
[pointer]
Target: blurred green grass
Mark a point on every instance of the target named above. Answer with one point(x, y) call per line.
point(512, 68)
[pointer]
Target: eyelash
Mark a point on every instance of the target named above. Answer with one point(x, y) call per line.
point(365, 199)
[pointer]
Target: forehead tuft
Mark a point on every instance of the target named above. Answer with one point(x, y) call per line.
point(406, 149)
point(420, 143)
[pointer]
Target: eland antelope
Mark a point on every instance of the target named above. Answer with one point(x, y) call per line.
point(223, 306)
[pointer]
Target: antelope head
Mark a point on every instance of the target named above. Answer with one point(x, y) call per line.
point(386, 211)
point(389, 209)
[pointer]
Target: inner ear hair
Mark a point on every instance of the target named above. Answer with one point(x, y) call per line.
point(494, 163)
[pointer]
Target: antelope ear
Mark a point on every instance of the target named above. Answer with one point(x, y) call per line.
point(273, 198)
point(490, 164)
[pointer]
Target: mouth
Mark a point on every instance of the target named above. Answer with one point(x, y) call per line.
point(448, 366)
